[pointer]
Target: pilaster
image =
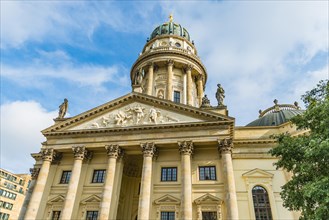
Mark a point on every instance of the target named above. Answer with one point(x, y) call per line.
point(170, 64)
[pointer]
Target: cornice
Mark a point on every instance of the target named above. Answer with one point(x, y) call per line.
point(148, 55)
point(132, 97)
point(136, 128)
point(260, 141)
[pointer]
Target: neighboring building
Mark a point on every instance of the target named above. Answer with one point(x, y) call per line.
point(13, 188)
point(162, 151)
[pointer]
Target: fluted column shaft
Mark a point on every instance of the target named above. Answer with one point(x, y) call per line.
point(189, 85)
point(80, 153)
point(200, 89)
point(225, 149)
point(36, 198)
point(113, 152)
point(150, 79)
point(170, 64)
point(145, 191)
point(186, 149)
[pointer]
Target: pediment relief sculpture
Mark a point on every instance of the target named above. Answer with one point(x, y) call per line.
point(135, 114)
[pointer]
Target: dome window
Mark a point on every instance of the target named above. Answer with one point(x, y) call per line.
point(177, 44)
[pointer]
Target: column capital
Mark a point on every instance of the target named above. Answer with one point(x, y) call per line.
point(170, 62)
point(149, 149)
point(47, 154)
point(57, 157)
point(200, 77)
point(186, 147)
point(225, 146)
point(150, 64)
point(188, 67)
point(34, 173)
point(80, 153)
point(114, 151)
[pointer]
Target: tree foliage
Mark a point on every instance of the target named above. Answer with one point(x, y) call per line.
point(307, 157)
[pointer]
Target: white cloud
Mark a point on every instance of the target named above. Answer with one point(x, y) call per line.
point(65, 21)
point(21, 123)
point(59, 65)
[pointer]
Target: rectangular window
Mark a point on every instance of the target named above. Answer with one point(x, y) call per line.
point(56, 215)
point(209, 216)
point(98, 176)
point(65, 179)
point(167, 215)
point(177, 96)
point(4, 216)
point(207, 173)
point(168, 174)
point(92, 215)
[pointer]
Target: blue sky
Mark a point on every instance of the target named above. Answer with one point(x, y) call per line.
point(83, 51)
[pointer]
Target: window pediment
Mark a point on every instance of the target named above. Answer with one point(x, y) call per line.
point(208, 199)
point(167, 199)
point(91, 199)
point(257, 173)
point(56, 199)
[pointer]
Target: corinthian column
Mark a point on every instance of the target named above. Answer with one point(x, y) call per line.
point(42, 175)
point(200, 88)
point(170, 64)
point(186, 150)
point(149, 150)
point(113, 152)
point(189, 84)
point(150, 79)
point(80, 153)
point(225, 149)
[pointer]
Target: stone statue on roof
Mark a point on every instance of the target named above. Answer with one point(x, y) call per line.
point(63, 109)
point(220, 95)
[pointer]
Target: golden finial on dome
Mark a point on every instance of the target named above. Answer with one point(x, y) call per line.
point(171, 18)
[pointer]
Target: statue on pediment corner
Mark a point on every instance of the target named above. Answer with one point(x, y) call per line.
point(63, 109)
point(220, 95)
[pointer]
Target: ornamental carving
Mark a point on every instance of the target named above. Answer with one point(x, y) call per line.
point(80, 153)
point(149, 149)
point(47, 154)
point(114, 150)
point(57, 157)
point(135, 114)
point(34, 173)
point(188, 67)
point(225, 146)
point(170, 62)
point(186, 147)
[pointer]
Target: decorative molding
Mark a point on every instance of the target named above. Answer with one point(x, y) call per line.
point(188, 67)
point(47, 154)
point(186, 147)
point(149, 149)
point(57, 157)
point(81, 153)
point(225, 146)
point(34, 173)
point(170, 62)
point(114, 151)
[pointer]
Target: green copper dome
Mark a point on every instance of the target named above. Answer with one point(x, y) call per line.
point(168, 28)
point(276, 115)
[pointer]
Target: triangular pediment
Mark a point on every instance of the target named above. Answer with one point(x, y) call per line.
point(207, 198)
point(257, 173)
point(91, 199)
point(167, 199)
point(57, 199)
point(136, 110)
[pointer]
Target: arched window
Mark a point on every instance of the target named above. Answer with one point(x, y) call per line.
point(261, 203)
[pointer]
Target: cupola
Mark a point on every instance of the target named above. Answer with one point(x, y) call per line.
point(168, 66)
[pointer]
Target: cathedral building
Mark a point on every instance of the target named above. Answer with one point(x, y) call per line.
point(162, 151)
